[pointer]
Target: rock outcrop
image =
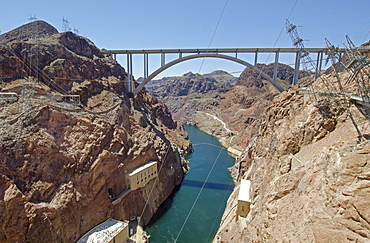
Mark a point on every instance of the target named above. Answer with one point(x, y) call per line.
point(309, 173)
point(178, 92)
point(63, 166)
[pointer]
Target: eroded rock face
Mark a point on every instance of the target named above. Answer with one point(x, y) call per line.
point(64, 169)
point(309, 175)
point(63, 166)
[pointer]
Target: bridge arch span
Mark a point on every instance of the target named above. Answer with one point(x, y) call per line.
point(174, 62)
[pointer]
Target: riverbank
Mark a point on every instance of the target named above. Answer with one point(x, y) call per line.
point(224, 138)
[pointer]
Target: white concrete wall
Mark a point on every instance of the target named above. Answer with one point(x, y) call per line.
point(244, 200)
point(142, 175)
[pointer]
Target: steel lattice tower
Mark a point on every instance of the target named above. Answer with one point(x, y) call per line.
point(65, 24)
point(305, 59)
point(356, 63)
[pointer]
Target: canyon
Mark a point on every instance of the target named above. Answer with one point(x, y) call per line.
point(305, 154)
point(72, 133)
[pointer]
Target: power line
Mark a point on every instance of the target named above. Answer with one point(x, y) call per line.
point(219, 210)
point(281, 31)
point(37, 70)
point(155, 181)
point(210, 144)
point(200, 192)
point(214, 33)
point(365, 37)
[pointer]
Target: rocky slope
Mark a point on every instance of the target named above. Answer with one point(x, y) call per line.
point(225, 113)
point(309, 174)
point(175, 92)
point(62, 165)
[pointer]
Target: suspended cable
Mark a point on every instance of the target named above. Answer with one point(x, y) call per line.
point(200, 192)
point(155, 181)
point(208, 144)
point(214, 33)
point(281, 31)
point(37, 70)
point(219, 210)
point(365, 37)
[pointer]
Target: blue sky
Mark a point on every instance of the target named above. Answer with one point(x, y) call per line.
point(160, 24)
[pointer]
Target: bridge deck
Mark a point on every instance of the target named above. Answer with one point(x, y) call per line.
point(225, 50)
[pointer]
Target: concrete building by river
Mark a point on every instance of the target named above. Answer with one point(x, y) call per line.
point(244, 200)
point(110, 231)
point(140, 176)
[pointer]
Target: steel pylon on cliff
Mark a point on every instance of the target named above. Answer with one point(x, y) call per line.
point(304, 55)
point(358, 65)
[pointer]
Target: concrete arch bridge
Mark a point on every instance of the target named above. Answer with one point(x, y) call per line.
point(230, 54)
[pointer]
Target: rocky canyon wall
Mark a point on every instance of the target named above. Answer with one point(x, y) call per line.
point(309, 174)
point(63, 166)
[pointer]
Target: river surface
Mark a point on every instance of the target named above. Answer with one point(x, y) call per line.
point(193, 213)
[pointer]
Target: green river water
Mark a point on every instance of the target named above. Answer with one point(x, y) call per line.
point(193, 213)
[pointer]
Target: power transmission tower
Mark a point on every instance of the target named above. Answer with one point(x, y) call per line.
point(304, 55)
point(357, 64)
point(32, 18)
point(335, 57)
point(33, 52)
point(65, 24)
point(33, 27)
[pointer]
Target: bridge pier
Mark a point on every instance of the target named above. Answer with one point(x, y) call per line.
point(146, 65)
point(163, 59)
point(255, 58)
point(296, 68)
point(129, 73)
point(276, 65)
